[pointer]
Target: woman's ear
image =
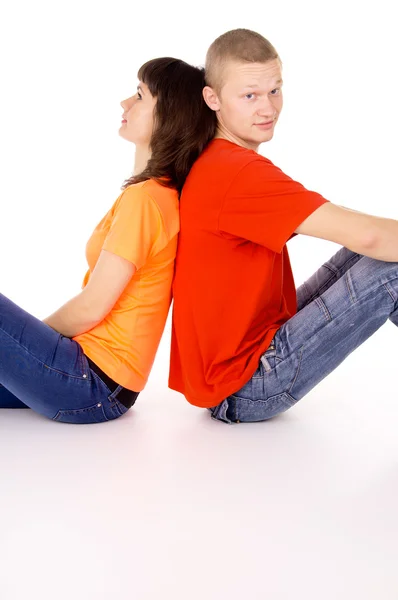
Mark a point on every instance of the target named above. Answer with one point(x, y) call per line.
point(211, 98)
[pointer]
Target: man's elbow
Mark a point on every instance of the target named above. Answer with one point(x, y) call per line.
point(381, 242)
point(369, 241)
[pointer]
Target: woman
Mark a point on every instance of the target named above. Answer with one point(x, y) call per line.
point(88, 361)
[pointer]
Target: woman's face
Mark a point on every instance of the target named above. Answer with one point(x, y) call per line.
point(137, 123)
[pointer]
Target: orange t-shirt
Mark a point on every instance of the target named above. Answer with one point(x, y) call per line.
point(142, 227)
point(233, 285)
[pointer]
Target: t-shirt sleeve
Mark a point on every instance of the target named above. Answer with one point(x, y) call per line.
point(137, 232)
point(265, 206)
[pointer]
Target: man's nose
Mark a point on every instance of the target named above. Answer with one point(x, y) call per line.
point(266, 109)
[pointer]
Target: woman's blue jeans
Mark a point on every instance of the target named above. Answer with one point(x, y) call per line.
point(339, 307)
point(48, 372)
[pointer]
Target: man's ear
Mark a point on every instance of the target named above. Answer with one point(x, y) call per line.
point(211, 98)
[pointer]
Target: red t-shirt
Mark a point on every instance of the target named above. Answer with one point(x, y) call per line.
point(233, 285)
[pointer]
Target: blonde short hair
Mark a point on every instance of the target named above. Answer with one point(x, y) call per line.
point(241, 45)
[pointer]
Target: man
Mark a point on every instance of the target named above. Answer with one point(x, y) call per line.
point(244, 343)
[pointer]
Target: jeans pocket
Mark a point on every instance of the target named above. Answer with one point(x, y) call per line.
point(83, 416)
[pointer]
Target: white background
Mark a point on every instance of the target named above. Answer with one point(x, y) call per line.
point(167, 503)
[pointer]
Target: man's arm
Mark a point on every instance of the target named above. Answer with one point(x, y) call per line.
point(108, 280)
point(376, 237)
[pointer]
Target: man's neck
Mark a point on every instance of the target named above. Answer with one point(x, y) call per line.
point(223, 134)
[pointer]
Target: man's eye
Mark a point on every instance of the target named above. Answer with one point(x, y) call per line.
point(249, 96)
point(275, 92)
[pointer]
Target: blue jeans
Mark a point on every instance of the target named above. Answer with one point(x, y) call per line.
point(48, 372)
point(338, 308)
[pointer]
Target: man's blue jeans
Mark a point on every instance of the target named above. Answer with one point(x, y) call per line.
point(48, 372)
point(339, 307)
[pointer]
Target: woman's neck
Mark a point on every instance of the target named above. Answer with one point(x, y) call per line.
point(142, 155)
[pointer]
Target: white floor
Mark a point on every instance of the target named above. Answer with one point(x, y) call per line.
point(168, 504)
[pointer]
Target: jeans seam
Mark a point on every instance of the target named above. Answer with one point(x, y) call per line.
point(297, 371)
point(73, 411)
point(322, 306)
point(79, 377)
point(349, 286)
point(389, 291)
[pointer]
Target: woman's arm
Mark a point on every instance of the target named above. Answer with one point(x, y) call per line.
point(108, 280)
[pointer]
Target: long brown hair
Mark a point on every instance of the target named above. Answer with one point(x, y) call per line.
point(183, 123)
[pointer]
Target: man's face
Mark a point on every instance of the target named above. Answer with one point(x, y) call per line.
point(249, 103)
